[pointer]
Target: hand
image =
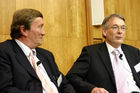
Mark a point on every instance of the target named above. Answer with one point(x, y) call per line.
point(99, 90)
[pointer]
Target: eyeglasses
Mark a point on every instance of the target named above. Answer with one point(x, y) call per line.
point(116, 28)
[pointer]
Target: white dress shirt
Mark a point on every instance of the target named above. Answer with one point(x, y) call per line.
point(27, 51)
point(128, 73)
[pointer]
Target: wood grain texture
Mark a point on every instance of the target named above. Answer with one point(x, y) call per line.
point(68, 24)
point(65, 26)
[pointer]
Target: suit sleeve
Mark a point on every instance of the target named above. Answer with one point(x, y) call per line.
point(77, 74)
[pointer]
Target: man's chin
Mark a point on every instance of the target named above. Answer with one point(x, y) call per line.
point(39, 44)
point(119, 43)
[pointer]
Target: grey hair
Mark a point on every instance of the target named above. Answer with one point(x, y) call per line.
point(105, 23)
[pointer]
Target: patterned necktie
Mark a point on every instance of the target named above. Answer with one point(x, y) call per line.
point(120, 78)
point(45, 83)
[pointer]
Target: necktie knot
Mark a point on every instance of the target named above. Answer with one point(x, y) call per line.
point(32, 60)
point(116, 52)
point(32, 52)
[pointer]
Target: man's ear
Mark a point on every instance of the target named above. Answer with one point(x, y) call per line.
point(104, 32)
point(23, 31)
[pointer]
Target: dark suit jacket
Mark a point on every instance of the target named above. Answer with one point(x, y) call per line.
point(18, 76)
point(93, 68)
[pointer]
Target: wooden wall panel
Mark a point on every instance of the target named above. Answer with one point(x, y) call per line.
point(6, 10)
point(65, 26)
point(130, 10)
point(68, 24)
point(65, 30)
point(36, 4)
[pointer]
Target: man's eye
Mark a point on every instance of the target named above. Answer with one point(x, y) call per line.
point(123, 27)
point(115, 27)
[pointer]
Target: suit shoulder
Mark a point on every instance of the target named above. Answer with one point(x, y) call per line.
point(129, 47)
point(94, 46)
point(43, 51)
point(6, 45)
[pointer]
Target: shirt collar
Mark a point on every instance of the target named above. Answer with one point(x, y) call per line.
point(110, 48)
point(25, 48)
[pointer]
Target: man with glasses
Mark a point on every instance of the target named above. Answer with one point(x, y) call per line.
point(109, 67)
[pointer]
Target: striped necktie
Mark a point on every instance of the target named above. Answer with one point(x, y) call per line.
point(45, 83)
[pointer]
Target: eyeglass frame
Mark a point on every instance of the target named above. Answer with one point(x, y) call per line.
point(116, 28)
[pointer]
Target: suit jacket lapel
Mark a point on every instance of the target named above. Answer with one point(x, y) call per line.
point(106, 60)
point(128, 56)
point(131, 62)
point(46, 65)
point(22, 59)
